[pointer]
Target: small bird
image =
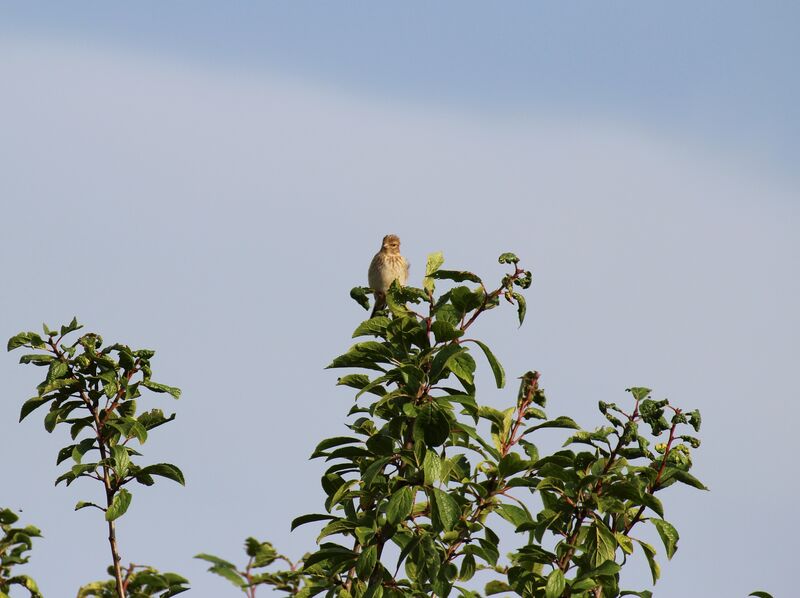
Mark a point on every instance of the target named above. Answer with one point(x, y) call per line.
point(387, 266)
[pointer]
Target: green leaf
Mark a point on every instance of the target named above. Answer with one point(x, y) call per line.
point(19, 340)
point(515, 515)
point(121, 459)
point(224, 569)
point(441, 359)
point(496, 587)
point(165, 470)
point(37, 359)
point(432, 424)
point(83, 504)
point(561, 421)
point(303, 519)
point(522, 307)
point(7, 517)
point(669, 535)
point(497, 369)
point(650, 553)
point(432, 468)
point(156, 387)
point(435, 261)
point(463, 366)
point(444, 331)
point(601, 544)
point(445, 508)
point(366, 561)
point(508, 258)
point(372, 327)
point(32, 404)
point(330, 443)
point(688, 479)
point(639, 392)
point(760, 594)
point(400, 505)
point(120, 504)
point(359, 295)
point(555, 584)
point(455, 276)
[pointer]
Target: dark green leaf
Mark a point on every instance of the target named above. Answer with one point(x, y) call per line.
point(165, 470)
point(432, 424)
point(303, 519)
point(359, 295)
point(455, 276)
point(332, 442)
point(32, 404)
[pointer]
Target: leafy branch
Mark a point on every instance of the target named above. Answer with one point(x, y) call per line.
point(93, 389)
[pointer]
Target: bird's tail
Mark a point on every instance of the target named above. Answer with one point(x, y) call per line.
point(380, 303)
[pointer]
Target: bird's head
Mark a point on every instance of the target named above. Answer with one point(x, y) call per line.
point(391, 244)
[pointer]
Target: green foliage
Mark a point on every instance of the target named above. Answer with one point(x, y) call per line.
point(15, 542)
point(261, 555)
point(139, 582)
point(420, 473)
point(92, 389)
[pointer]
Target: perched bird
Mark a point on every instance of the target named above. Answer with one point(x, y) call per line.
point(387, 266)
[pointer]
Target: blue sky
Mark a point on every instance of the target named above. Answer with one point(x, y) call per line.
point(724, 69)
point(184, 174)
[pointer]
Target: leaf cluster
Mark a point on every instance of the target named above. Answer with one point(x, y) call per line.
point(140, 582)
point(93, 389)
point(261, 555)
point(417, 472)
point(15, 542)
